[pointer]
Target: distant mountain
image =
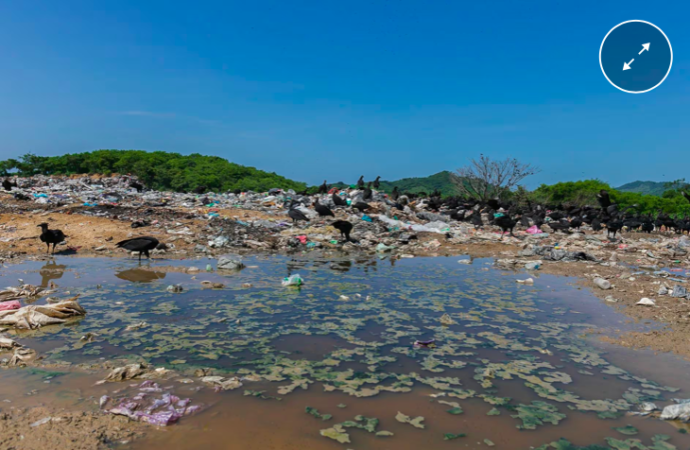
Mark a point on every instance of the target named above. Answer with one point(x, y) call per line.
point(644, 187)
point(440, 181)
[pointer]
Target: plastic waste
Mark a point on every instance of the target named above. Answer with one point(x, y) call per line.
point(533, 265)
point(527, 281)
point(367, 218)
point(431, 343)
point(603, 284)
point(644, 301)
point(383, 248)
point(533, 230)
point(293, 280)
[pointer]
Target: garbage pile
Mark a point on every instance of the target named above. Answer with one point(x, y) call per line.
point(151, 405)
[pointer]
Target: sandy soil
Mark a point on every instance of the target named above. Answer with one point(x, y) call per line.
point(28, 429)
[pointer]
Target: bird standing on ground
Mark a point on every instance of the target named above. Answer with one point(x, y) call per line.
point(395, 194)
point(344, 227)
point(323, 188)
point(323, 210)
point(51, 236)
point(506, 224)
point(360, 182)
point(141, 244)
point(8, 185)
point(376, 182)
point(296, 214)
point(361, 206)
point(338, 200)
point(367, 192)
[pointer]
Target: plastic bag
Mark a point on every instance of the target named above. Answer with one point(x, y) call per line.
point(293, 280)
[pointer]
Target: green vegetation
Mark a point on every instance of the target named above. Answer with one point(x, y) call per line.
point(645, 187)
point(584, 193)
point(441, 181)
point(158, 170)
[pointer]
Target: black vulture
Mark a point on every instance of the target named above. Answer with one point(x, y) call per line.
point(361, 206)
point(323, 210)
point(395, 194)
point(376, 182)
point(323, 188)
point(344, 227)
point(296, 215)
point(51, 236)
point(141, 244)
point(199, 189)
point(603, 199)
point(8, 185)
point(338, 200)
point(476, 219)
point(360, 182)
point(367, 192)
point(136, 185)
point(559, 226)
point(614, 226)
point(506, 223)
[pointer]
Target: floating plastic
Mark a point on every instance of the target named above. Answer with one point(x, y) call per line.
point(293, 280)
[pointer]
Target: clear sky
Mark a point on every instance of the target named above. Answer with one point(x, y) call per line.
point(337, 89)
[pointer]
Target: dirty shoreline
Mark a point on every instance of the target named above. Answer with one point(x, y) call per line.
point(190, 236)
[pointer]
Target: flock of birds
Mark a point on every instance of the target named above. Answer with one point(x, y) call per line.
point(505, 215)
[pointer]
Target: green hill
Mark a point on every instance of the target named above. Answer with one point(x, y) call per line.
point(158, 170)
point(644, 187)
point(440, 181)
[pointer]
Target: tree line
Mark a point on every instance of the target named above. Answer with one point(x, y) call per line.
point(158, 170)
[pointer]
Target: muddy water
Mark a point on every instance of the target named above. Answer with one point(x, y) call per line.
point(347, 335)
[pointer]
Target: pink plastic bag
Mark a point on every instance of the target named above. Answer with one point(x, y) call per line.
point(8, 306)
point(302, 239)
point(533, 230)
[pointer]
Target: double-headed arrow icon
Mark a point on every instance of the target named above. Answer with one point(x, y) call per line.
point(626, 65)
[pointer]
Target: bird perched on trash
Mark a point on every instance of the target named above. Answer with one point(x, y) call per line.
point(51, 236)
point(376, 182)
point(338, 200)
point(136, 185)
point(361, 206)
point(366, 195)
point(296, 214)
point(142, 244)
point(323, 210)
point(395, 194)
point(360, 182)
point(323, 188)
point(8, 185)
point(506, 224)
point(344, 227)
point(603, 199)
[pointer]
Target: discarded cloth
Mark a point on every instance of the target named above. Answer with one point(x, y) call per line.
point(35, 316)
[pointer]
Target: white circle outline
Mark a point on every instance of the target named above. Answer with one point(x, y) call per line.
point(669, 66)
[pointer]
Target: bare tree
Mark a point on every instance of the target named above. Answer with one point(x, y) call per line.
point(485, 179)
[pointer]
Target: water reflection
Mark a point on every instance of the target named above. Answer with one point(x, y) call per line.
point(140, 275)
point(51, 271)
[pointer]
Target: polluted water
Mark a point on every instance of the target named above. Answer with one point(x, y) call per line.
point(364, 353)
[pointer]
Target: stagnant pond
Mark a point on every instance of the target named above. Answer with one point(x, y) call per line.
point(516, 369)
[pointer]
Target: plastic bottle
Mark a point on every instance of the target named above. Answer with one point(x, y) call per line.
point(293, 280)
point(603, 284)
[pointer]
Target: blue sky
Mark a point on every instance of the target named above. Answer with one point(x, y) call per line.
point(315, 90)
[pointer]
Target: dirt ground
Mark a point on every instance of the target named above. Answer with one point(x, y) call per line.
point(45, 428)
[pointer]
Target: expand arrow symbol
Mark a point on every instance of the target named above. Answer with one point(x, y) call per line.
point(626, 65)
point(644, 47)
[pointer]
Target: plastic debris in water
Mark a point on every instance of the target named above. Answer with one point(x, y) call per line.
point(143, 407)
point(293, 280)
point(431, 343)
